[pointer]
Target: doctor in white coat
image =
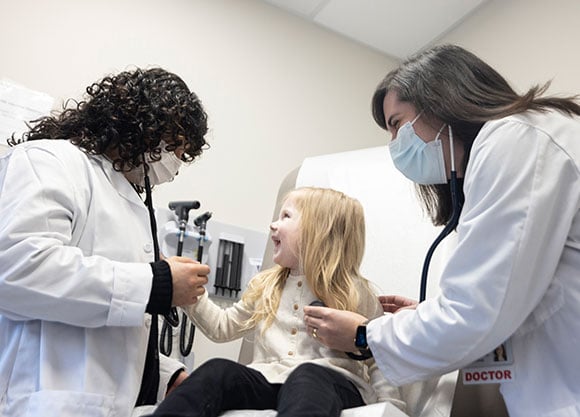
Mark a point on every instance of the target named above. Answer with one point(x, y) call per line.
point(78, 271)
point(514, 275)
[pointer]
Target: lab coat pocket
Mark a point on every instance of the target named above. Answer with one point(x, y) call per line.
point(49, 403)
point(552, 301)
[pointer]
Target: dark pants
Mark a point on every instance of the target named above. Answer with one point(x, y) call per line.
point(220, 384)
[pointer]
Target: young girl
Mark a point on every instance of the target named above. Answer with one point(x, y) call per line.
point(318, 247)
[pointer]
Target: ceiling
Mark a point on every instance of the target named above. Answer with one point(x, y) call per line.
point(397, 28)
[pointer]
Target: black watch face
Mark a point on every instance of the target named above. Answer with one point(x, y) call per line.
point(361, 337)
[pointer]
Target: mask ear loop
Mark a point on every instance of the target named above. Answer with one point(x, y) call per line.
point(416, 118)
point(451, 224)
point(439, 132)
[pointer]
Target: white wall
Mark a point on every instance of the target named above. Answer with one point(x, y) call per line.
point(527, 41)
point(276, 88)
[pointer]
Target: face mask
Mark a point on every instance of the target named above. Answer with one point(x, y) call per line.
point(160, 171)
point(421, 162)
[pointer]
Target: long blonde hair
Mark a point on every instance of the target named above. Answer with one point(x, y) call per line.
point(331, 247)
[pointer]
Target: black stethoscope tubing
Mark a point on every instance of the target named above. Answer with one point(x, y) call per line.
point(449, 227)
point(451, 224)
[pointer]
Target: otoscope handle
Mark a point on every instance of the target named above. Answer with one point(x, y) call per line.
point(201, 222)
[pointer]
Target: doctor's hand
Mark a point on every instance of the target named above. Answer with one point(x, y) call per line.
point(395, 303)
point(334, 328)
point(188, 277)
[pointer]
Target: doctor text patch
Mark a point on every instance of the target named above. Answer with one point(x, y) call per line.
point(486, 376)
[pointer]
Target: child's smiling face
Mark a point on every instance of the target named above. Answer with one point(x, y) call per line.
point(285, 235)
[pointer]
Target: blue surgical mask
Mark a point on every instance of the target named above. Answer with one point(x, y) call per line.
point(420, 161)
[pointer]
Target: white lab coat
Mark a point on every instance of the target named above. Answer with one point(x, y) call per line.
point(515, 272)
point(75, 278)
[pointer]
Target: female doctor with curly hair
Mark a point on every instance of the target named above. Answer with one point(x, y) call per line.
point(78, 254)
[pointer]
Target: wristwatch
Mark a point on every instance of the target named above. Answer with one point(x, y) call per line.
point(360, 342)
point(360, 339)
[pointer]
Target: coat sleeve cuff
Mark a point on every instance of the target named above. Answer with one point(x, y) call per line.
point(161, 290)
point(132, 286)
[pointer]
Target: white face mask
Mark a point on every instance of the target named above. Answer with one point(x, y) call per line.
point(160, 171)
point(421, 162)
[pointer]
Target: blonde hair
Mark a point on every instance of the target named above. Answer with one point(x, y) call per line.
point(331, 247)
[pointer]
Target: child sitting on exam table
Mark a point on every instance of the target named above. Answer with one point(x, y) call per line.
point(318, 248)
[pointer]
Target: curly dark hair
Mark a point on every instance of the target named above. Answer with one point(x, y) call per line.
point(126, 116)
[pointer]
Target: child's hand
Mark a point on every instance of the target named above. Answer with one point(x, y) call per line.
point(394, 303)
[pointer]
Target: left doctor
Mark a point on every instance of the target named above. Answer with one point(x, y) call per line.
point(78, 270)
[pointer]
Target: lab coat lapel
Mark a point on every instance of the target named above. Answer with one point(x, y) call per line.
point(119, 182)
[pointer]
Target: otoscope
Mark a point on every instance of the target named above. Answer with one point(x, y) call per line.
point(185, 349)
point(451, 224)
point(181, 209)
point(201, 222)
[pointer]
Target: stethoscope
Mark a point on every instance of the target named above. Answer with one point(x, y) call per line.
point(451, 224)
